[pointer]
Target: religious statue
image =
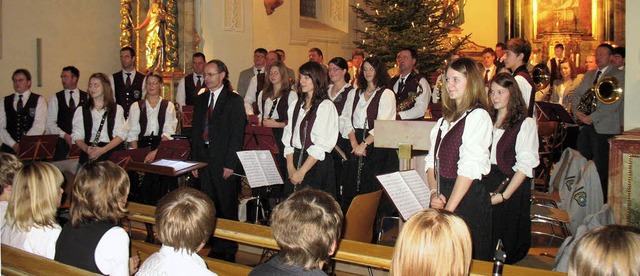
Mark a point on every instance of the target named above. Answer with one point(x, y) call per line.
point(155, 23)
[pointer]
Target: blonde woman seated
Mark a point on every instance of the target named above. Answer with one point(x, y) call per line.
point(31, 215)
point(607, 250)
point(432, 242)
point(185, 218)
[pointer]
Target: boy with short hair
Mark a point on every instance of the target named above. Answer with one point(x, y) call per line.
point(517, 56)
point(185, 219)
point(307, 227)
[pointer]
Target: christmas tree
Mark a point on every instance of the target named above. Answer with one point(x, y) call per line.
point(420, 24)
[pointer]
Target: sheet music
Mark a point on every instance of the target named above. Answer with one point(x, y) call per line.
point(260, 168)
point(400, 193)
point(418, 187)
point(175, 164)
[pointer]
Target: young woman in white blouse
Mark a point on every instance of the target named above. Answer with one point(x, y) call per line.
point(311, 133)
point(152, 119)
point(98, 126)
point(370, 102)
point(338, 92)
point(459, 154)
point(31, 212)
point(514, 155)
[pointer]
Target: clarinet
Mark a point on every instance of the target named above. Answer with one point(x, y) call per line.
point(437, 171)
point(304, 139)
point(360, 163)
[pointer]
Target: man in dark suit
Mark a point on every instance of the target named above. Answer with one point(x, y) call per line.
point(605, 121)
point(218, 131)
point(128, 84)
point(62, 106)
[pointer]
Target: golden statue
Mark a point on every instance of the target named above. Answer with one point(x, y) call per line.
point(125, 23)
point(155, 23)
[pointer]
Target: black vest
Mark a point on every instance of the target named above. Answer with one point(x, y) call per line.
point(506, 149)
point(143, 117)
point(88, 122)
point(411, 83)
point(126, 96)
point(281, 108)
point(448, 150)
point(555, 70)
point(65, 114)
point(191, 90)
point(19, 123)
point(372, 109)
point(76, 246)
point(341, 99)
point(309, 119)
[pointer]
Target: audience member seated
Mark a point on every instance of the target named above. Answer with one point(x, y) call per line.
point(9, 165)
point(563, 89)
point(607, 250)
point(92, 241)
point(31, 215)
point(185, 219)
point(306, 227)
point(432, 242)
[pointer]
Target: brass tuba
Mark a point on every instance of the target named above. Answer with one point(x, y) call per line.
point(541, 76)
point(608, 90)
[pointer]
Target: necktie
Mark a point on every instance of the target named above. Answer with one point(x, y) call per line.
point(199, 83)
point(72, 102)
point(400, 85)
point(128, 82)
point(260, 77)
point(20, 105)
point(205, 134)
point(597, 77)
point(486, 77)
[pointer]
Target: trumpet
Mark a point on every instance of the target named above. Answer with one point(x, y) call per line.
point(608, 90)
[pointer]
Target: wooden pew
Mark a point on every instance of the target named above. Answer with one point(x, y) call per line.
point(218, 266)
point(366, 254)
point(19, 262)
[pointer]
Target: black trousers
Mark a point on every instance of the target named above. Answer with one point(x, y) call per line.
point(595, 146)
point(62, 150)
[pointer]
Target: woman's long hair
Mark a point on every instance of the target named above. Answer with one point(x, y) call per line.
point(516, 108)
point(381, 79)
point(318, 74)
point(285, 87)
point(474, 95)
point(107, 91)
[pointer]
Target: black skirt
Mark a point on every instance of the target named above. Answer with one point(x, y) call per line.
point(475, 210)
point(511, 219)
point(321, 176)
point(84, 157)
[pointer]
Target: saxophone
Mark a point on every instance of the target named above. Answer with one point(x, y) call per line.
point(406, 103)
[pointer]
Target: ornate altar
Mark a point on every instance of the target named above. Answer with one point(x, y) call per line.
point(624, 178)
point(163, 34)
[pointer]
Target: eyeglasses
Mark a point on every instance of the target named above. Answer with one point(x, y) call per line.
point(211, 75)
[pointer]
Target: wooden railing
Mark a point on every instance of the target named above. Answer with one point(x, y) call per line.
point(19, 262)
point(371, 255)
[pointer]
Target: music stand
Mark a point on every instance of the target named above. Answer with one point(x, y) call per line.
point(74, 152)
point(404, 136)
point(187, 116)
point(174, 149)
point(125, 157)
point(37, 147)
point(555, 112)
point(260, 138)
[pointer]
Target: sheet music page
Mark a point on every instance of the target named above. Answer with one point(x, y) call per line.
point(269, 167)
point(175, 164)
point(399, 192)
point(252, 168)
point(417, 186)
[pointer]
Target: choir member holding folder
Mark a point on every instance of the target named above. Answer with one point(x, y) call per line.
point(98, 126)
point(311, 133)
point(152, 119)
point(460, 153)
point(514, 155)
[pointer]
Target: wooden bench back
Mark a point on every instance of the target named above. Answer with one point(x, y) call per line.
point(19, 262)
point(366, 254)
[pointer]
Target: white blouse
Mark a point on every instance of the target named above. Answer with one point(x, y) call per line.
point(526, 147)
point(170, 121)
point(476, 139)
point(324, 133)
point(38, 240)
point(119, 128)
point(386, 110)
point(293, 98)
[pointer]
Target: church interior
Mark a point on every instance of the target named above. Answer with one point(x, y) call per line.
point(45, 36)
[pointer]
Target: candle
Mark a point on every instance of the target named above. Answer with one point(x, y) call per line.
point(577, 60)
